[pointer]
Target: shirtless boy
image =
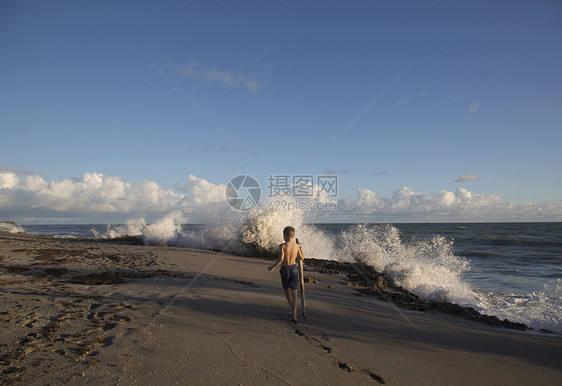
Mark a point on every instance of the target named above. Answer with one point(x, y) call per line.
point(288, 254)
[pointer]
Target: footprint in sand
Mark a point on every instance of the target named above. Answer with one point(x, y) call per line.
point(342, 365)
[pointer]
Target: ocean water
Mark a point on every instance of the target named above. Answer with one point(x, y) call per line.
point(509, 270)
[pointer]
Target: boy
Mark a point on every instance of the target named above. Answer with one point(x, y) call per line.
point(288, 254)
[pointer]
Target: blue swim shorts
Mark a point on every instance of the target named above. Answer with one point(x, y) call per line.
point(290, 276)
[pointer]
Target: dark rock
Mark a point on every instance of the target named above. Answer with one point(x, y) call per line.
point(310, 279)
point(373, 283)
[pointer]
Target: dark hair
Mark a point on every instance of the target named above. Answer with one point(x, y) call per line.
point(289, 231)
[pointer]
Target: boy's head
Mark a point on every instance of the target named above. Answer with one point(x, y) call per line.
point(288, 233)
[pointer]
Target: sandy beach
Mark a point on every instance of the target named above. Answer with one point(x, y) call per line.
point(115, 312)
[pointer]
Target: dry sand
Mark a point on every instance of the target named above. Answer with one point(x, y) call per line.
point(97, 312)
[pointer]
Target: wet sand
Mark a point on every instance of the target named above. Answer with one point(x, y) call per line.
point(85, 311)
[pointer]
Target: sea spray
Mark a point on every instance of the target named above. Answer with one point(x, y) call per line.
point(166, 231)
point(262, 229)
point(540, 310)
point(133, 227)
point(11, 227)
point(219, 233)
point(428, 268)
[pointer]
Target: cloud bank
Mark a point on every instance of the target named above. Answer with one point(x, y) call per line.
point(96, 197)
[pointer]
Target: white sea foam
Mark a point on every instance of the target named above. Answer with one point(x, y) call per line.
point(431, 270)
point(133, 227)
point(253, 233)
point(263, 229)
point(428, 268)
point(165, 231)
point(540, 310)
point(10, 227)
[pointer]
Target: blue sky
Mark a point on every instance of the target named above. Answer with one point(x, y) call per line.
point(481, 96)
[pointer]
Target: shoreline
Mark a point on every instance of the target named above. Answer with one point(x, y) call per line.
point(363, 277)
point(114, 311)
point(371, 282)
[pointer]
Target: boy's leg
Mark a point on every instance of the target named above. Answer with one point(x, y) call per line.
point(294, 304)
point(289, 298)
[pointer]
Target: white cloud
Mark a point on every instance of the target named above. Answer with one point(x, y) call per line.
point(467, 177)
point(473, 107)
point(95, 195)
point(228, 77)
point(406, 204)
point(8, 180)
point(202, 192)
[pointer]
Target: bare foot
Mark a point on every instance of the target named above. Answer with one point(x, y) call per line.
point(295, 320)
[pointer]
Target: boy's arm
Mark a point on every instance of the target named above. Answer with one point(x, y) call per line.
point(300, 255)
point(279, 260)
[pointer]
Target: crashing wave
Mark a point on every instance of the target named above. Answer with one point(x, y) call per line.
point(11, 227)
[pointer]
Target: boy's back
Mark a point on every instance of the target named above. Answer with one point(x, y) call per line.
point(289, 252)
